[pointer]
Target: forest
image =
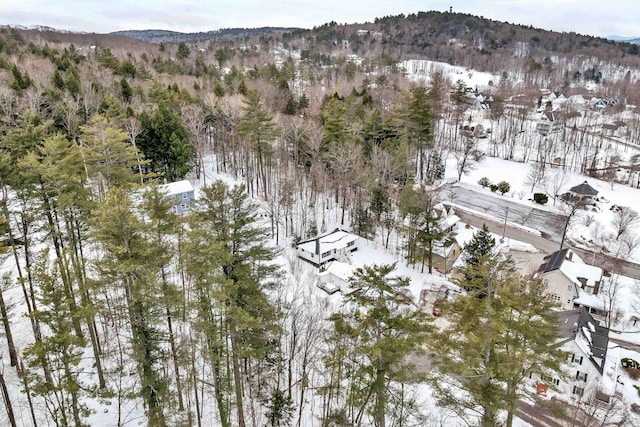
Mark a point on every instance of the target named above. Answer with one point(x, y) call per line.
point(117, 312)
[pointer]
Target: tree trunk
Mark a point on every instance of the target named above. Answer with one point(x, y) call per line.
point(7, 402)
point(237, 377)
point(381, 398)
point(13, 355)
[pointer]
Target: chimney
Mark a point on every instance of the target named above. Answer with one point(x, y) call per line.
point(318, 246)
point(597, 288)
point(569, 255)
point(583, 281)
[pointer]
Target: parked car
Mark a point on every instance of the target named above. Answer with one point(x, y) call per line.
point(437, 308)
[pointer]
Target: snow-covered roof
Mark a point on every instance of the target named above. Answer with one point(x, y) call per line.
point(610, 370)
point(341, 270)
point(589, 300)
point(449, 221)
point(592, 339)
point(577, 269)
point(177, 187)
point(337, 239)
point(572, 266)
point(464, 235)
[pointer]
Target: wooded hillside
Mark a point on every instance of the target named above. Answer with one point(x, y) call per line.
point(127, 312)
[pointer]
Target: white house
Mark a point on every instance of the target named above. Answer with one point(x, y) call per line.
point(591, 368)
point(549, 122)
point(564, 273)
point(181, 193)
point(335, 276)
point(335, 245)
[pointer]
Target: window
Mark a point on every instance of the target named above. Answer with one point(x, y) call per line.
point(581, 376)
point(569, 288)
point(556, 381)
point(555, 297)
point(185, 195)
point(326, 254)
point(578, 390)
point(545, 281)
point(351, 243)
point(578, 360)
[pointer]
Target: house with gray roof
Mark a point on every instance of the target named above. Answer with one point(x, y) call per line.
point(591, 367)
point(567, 276)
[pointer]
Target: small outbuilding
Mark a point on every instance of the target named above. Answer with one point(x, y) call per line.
point(584, 191)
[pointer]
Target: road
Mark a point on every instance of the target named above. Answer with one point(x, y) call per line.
point(547, 246)
point(549, 224)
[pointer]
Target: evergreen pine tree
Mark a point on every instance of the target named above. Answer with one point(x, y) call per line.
point(250, 319)
point(383, 330)
point(495, 343)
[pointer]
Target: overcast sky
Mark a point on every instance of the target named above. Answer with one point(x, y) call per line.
point(594, 17)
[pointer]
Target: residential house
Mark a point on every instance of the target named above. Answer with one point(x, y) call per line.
point(480, 109)
point(334, 276)
point(584, 191)
point(335, 245)
point(182, 195)
point(591, 368)
point(567, 277)
point(447, 250)
point(549, 122)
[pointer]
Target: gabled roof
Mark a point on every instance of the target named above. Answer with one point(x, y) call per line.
point(336, 239)
point(572, 266)
point(178, 187)
point(553, 261)
point(585, 189)
point(592, 339)
point(552, 116)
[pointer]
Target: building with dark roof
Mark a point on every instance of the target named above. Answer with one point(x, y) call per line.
point(592, 365)
point(567, 277)
point(584, 190)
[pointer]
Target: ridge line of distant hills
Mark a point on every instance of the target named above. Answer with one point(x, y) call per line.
point(634, 40)
point(168, 36)
point(160, 36)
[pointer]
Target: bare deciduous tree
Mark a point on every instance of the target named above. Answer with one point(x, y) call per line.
point(623, 219)
point(553, 185)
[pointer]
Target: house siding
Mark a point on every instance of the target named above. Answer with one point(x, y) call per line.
point(559, 285)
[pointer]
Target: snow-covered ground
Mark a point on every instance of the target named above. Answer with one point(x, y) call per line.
point(422, 69)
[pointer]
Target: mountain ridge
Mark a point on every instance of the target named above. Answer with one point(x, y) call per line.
point(168, 36)
point(633, 39)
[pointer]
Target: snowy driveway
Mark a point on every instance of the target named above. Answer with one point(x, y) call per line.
point(548, 223)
